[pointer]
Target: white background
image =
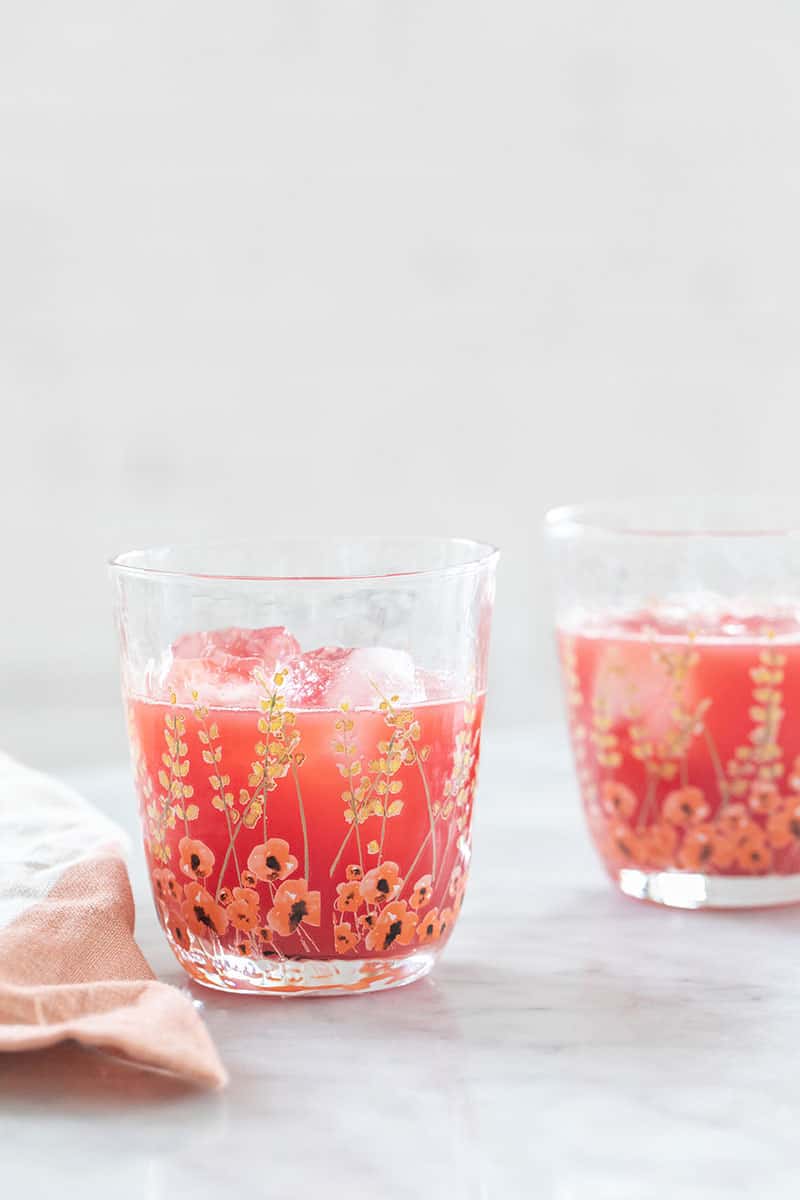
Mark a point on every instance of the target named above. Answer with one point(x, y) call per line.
point(404, 266)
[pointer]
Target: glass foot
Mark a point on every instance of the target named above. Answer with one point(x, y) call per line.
point(688, 889)
point(302, 976)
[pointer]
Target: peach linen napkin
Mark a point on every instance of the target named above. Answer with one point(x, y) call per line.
point(69, 967)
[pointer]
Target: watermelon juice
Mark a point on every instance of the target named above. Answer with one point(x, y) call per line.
point(301, 806)
point(687, 740)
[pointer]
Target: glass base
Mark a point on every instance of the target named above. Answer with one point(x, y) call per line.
point(688, 889)
point(303, 976)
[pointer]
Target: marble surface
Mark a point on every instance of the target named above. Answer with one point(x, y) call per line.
point(571, 1044)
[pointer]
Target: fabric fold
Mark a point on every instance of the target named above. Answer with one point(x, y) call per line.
point(69, 964)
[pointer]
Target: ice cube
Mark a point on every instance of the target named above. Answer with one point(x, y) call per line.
point(364, 676)
point(311, 675)
point(197, 680)
point(269, 646)
point(220, 664)
point(633, 683)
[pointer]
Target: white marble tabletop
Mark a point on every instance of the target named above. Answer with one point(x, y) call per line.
point(571, 1044)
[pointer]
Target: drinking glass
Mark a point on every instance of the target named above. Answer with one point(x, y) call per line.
point(678, 627)
point(305, 722)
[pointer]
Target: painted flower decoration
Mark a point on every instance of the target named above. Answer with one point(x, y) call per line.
point(446, 919)
point(202, 913)
point(422, 892)
point(349, 898)
point(272, 860)
point(625, 844)
point(293, 905)
point(395, 924)
point(753, 853)
point(366, 921)
point(429, 927)
point(166, 885)
point(177, 928)
point(345, 938)
point(617, 799)
point(783, 825)
point(658, 844)
point(267, 938)
point(764, 798)
point(457, 886)
point(243, 909)
point(458, 880)
point(686, 806)
point(697, 849)
point(734, 819)
point(381, 883)
point(196, 860)
point(248, 895)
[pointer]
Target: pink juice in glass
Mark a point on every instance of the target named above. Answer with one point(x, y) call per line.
point(687, 739)
point(300, 806)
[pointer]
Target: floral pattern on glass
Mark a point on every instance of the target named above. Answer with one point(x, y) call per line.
point(254, 850)
point(684, 759)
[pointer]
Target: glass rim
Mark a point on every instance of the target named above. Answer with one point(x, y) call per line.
point(133, 562)
point(618, 518)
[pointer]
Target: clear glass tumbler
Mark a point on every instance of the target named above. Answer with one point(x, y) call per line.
point(305, 723)
point(679, 635)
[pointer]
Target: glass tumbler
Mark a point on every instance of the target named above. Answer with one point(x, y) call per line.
point(678, 627)
point(305, 722)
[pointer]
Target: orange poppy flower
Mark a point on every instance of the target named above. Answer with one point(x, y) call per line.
point(723, 847)
point(272, 860)
point(753, 853)
point(197, 860)
point(657, 844)
point(446, 920)
point(422, 892)
point(354, 871)
point(764, 798)
point(177, 928)
point(783, 825)
point(734, 818)
point(243, 909)
point(242, 948)
point(267, 938)
point(224, 896)
point(249, 879)
point(617, 799)
point(457, 880)
point(345, 938)
point(166, 885)
point(349, 898)
point(381, 883)
point(457, 886)
point(697, 848)
point(394, 924)
point(625, 845)
point(203, 914)
point(293, 904)
point(429, 927)
point(685, 806)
